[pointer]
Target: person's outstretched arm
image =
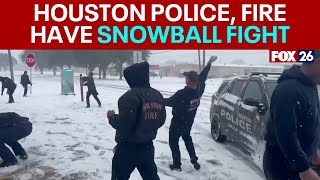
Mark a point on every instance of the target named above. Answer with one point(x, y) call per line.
point(204, 74)
point(172, 100)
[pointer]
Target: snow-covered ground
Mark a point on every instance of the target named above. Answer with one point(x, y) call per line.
point(72, 142)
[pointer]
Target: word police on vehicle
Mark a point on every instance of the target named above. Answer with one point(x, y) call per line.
point(292, 56)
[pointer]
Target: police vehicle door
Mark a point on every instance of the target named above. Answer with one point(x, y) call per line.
point(227, 104)
point(248, 116)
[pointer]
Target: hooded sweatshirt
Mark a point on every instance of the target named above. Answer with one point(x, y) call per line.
point(293, 130)
point(141, 109)
point(10, 119)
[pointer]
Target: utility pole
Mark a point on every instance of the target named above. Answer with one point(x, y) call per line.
point(11, 65)
point(204, 58)
point(199, 60)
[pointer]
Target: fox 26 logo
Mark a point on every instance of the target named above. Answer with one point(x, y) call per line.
point(291, 56)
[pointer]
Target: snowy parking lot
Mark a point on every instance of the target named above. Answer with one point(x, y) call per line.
point(72, 142)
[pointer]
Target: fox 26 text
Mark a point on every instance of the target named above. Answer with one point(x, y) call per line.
point(291, 56)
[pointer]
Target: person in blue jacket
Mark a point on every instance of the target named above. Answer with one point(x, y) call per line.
point(184, 105)
point(13, 127)
point(293, 131)
point(92, 90)
point(8, 84)
point(24, 81)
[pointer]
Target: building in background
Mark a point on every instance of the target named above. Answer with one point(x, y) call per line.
point(219, 70)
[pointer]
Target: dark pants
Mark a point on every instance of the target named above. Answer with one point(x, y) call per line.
point(276, 166)
point(25, 87)
point(10, 93)
point(127, 157)
point(95, 95)
point(10, 136)
point(174, 136)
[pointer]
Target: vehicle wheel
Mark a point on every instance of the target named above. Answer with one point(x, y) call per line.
point(216, 130)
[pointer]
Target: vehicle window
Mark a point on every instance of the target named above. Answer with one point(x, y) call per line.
point(253, 90)
point(223, 86)
point(236, 88)
point(270, 86)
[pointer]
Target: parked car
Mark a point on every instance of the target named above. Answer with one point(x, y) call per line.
point(240, 111)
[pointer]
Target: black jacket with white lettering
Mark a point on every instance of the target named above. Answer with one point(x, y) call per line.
point(293, 129)
point(141, 109)
point(185, 103)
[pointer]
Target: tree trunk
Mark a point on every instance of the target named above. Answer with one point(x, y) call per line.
point(91, 68)
point(54, 70)
point(104, 72)
point(120, 73)
point(120, 70)
point(11, 65)
point(100, 69)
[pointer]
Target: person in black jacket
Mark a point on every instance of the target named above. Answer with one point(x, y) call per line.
point(293, 131)
point(11, 87)
point(13, 128)
point(89, 82)
point(141, 114)
point(24, 82)
point(184, 105)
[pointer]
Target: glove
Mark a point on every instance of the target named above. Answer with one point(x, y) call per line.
point(110, 114)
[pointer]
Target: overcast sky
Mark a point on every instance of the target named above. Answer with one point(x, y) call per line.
point(166, 57)
point(224, 56)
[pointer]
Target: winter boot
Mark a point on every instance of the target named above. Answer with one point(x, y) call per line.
point(23, 157)
point(174, 167)
point(195, 163)
point(7, 164)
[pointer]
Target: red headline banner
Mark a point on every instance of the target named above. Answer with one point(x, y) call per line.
point(202, 24)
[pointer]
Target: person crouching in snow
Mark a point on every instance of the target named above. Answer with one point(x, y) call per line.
point(13, 127)
point(11, 87)
point(141, 114)
point(184, 105)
